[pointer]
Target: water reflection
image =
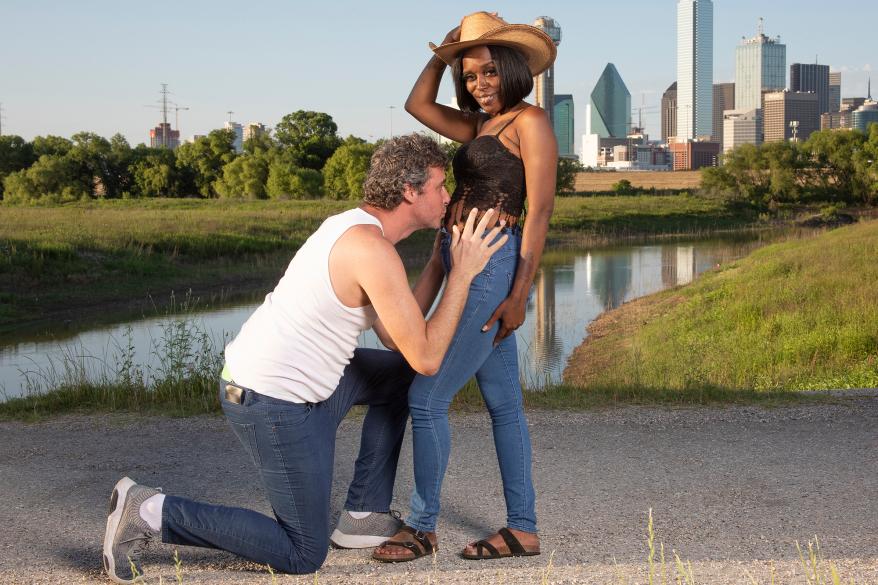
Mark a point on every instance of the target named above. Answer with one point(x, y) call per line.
point(570, 290)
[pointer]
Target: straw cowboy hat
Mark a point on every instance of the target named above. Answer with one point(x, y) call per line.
point(483, 28)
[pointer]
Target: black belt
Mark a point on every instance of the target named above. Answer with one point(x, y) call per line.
point(235, 394)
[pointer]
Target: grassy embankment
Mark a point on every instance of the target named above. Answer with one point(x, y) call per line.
point(108, 257)
point(800, 315)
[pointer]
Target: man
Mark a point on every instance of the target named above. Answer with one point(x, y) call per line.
point(294, 371)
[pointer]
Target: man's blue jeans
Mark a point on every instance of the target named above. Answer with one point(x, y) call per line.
point(293, 448)
point(472, 353)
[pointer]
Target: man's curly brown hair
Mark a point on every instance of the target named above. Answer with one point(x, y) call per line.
point(403, 160)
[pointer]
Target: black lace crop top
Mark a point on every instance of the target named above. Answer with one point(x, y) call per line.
point(488, 175)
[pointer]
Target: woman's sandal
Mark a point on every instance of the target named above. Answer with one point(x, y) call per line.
point(512, 543)
point(419, 547)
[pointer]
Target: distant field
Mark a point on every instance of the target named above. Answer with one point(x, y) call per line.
point(602, 182)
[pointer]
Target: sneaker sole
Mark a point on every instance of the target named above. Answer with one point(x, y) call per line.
point(117, 503)
point(342, 540)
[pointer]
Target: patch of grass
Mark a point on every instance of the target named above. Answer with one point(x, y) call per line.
point(799, 315)
point(184, 382)
point(617, 218)
point(576, 398)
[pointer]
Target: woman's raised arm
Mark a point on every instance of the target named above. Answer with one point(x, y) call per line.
point(421, 103)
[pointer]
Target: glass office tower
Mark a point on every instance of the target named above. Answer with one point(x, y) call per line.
point(760, 66)
point(609, 110)
point(562, 121)
point(694, 68)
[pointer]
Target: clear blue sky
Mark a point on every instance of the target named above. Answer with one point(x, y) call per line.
point(92, 65)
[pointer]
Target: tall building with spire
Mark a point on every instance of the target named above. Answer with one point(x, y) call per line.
point(760, 66)
point(694, 68)
point(544, 83)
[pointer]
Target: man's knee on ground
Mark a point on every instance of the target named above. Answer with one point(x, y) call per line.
point(304, 563)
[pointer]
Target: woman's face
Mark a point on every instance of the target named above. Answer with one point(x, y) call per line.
point(481, 79)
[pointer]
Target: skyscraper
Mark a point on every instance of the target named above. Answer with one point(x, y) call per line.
point(760, 66)
point(563, 122)
point(608, 113)
point(162, 136)
point(723, 99)
point(239, 135)
point(865, 116)
point(834, 91)
point(790, 115)
point(694, 68)
point(669, 112)
point(811, 77)
point(544, 83)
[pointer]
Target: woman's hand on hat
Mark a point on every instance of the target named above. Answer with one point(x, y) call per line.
point(453, 36)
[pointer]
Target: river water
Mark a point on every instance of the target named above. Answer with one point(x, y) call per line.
point(572, 288)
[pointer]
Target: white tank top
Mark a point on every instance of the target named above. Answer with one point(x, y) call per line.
point(296, 345)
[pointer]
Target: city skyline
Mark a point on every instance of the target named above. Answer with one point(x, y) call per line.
point(94, 67)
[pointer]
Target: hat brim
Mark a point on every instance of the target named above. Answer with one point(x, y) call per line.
point(537, 47)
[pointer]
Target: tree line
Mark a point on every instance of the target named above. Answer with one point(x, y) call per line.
point(832, 166)
point(303, 158)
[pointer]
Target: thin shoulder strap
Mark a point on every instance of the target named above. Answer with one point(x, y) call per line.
point(511, 120)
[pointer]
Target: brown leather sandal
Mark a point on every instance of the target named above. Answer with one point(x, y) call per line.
point(419, 547)
point(512, 543)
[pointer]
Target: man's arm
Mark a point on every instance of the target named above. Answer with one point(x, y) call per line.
point(425, 290)
point(377, 268)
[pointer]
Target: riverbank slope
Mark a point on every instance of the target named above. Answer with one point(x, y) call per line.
point(800, 315)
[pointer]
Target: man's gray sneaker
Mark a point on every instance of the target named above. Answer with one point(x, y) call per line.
point(365, 532)
point(127, 531)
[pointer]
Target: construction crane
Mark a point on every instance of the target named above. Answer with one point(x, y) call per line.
point(177, 115)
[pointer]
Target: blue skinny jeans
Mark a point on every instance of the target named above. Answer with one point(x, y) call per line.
point(472, 352)
point(293, 448)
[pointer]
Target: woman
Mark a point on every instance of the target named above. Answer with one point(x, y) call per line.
point(508, 153)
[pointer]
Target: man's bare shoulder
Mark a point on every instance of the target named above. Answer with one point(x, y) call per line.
point(366, 243)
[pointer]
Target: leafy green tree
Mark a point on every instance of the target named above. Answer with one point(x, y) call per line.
point(743, 177)
point(51, 145)
point(867, 165)
point(568, 168)
point(92, 154)
point(311, 137)
point(785, 165)
point(287, 181)
point(624, 187)
point(53, 178)
point(260, 144)
point(16, 154)
point(155, 174)
point(201, 162)
point(345, 171)
point(244, 177)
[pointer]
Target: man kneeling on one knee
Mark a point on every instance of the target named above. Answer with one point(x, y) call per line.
point(294, 371)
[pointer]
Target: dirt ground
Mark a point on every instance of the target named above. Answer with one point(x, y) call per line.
point(731, 489)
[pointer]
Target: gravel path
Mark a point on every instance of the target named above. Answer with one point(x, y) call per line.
point(731, 489)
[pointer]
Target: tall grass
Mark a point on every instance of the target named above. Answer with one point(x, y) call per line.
point(183, 380)
point(800, 315)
